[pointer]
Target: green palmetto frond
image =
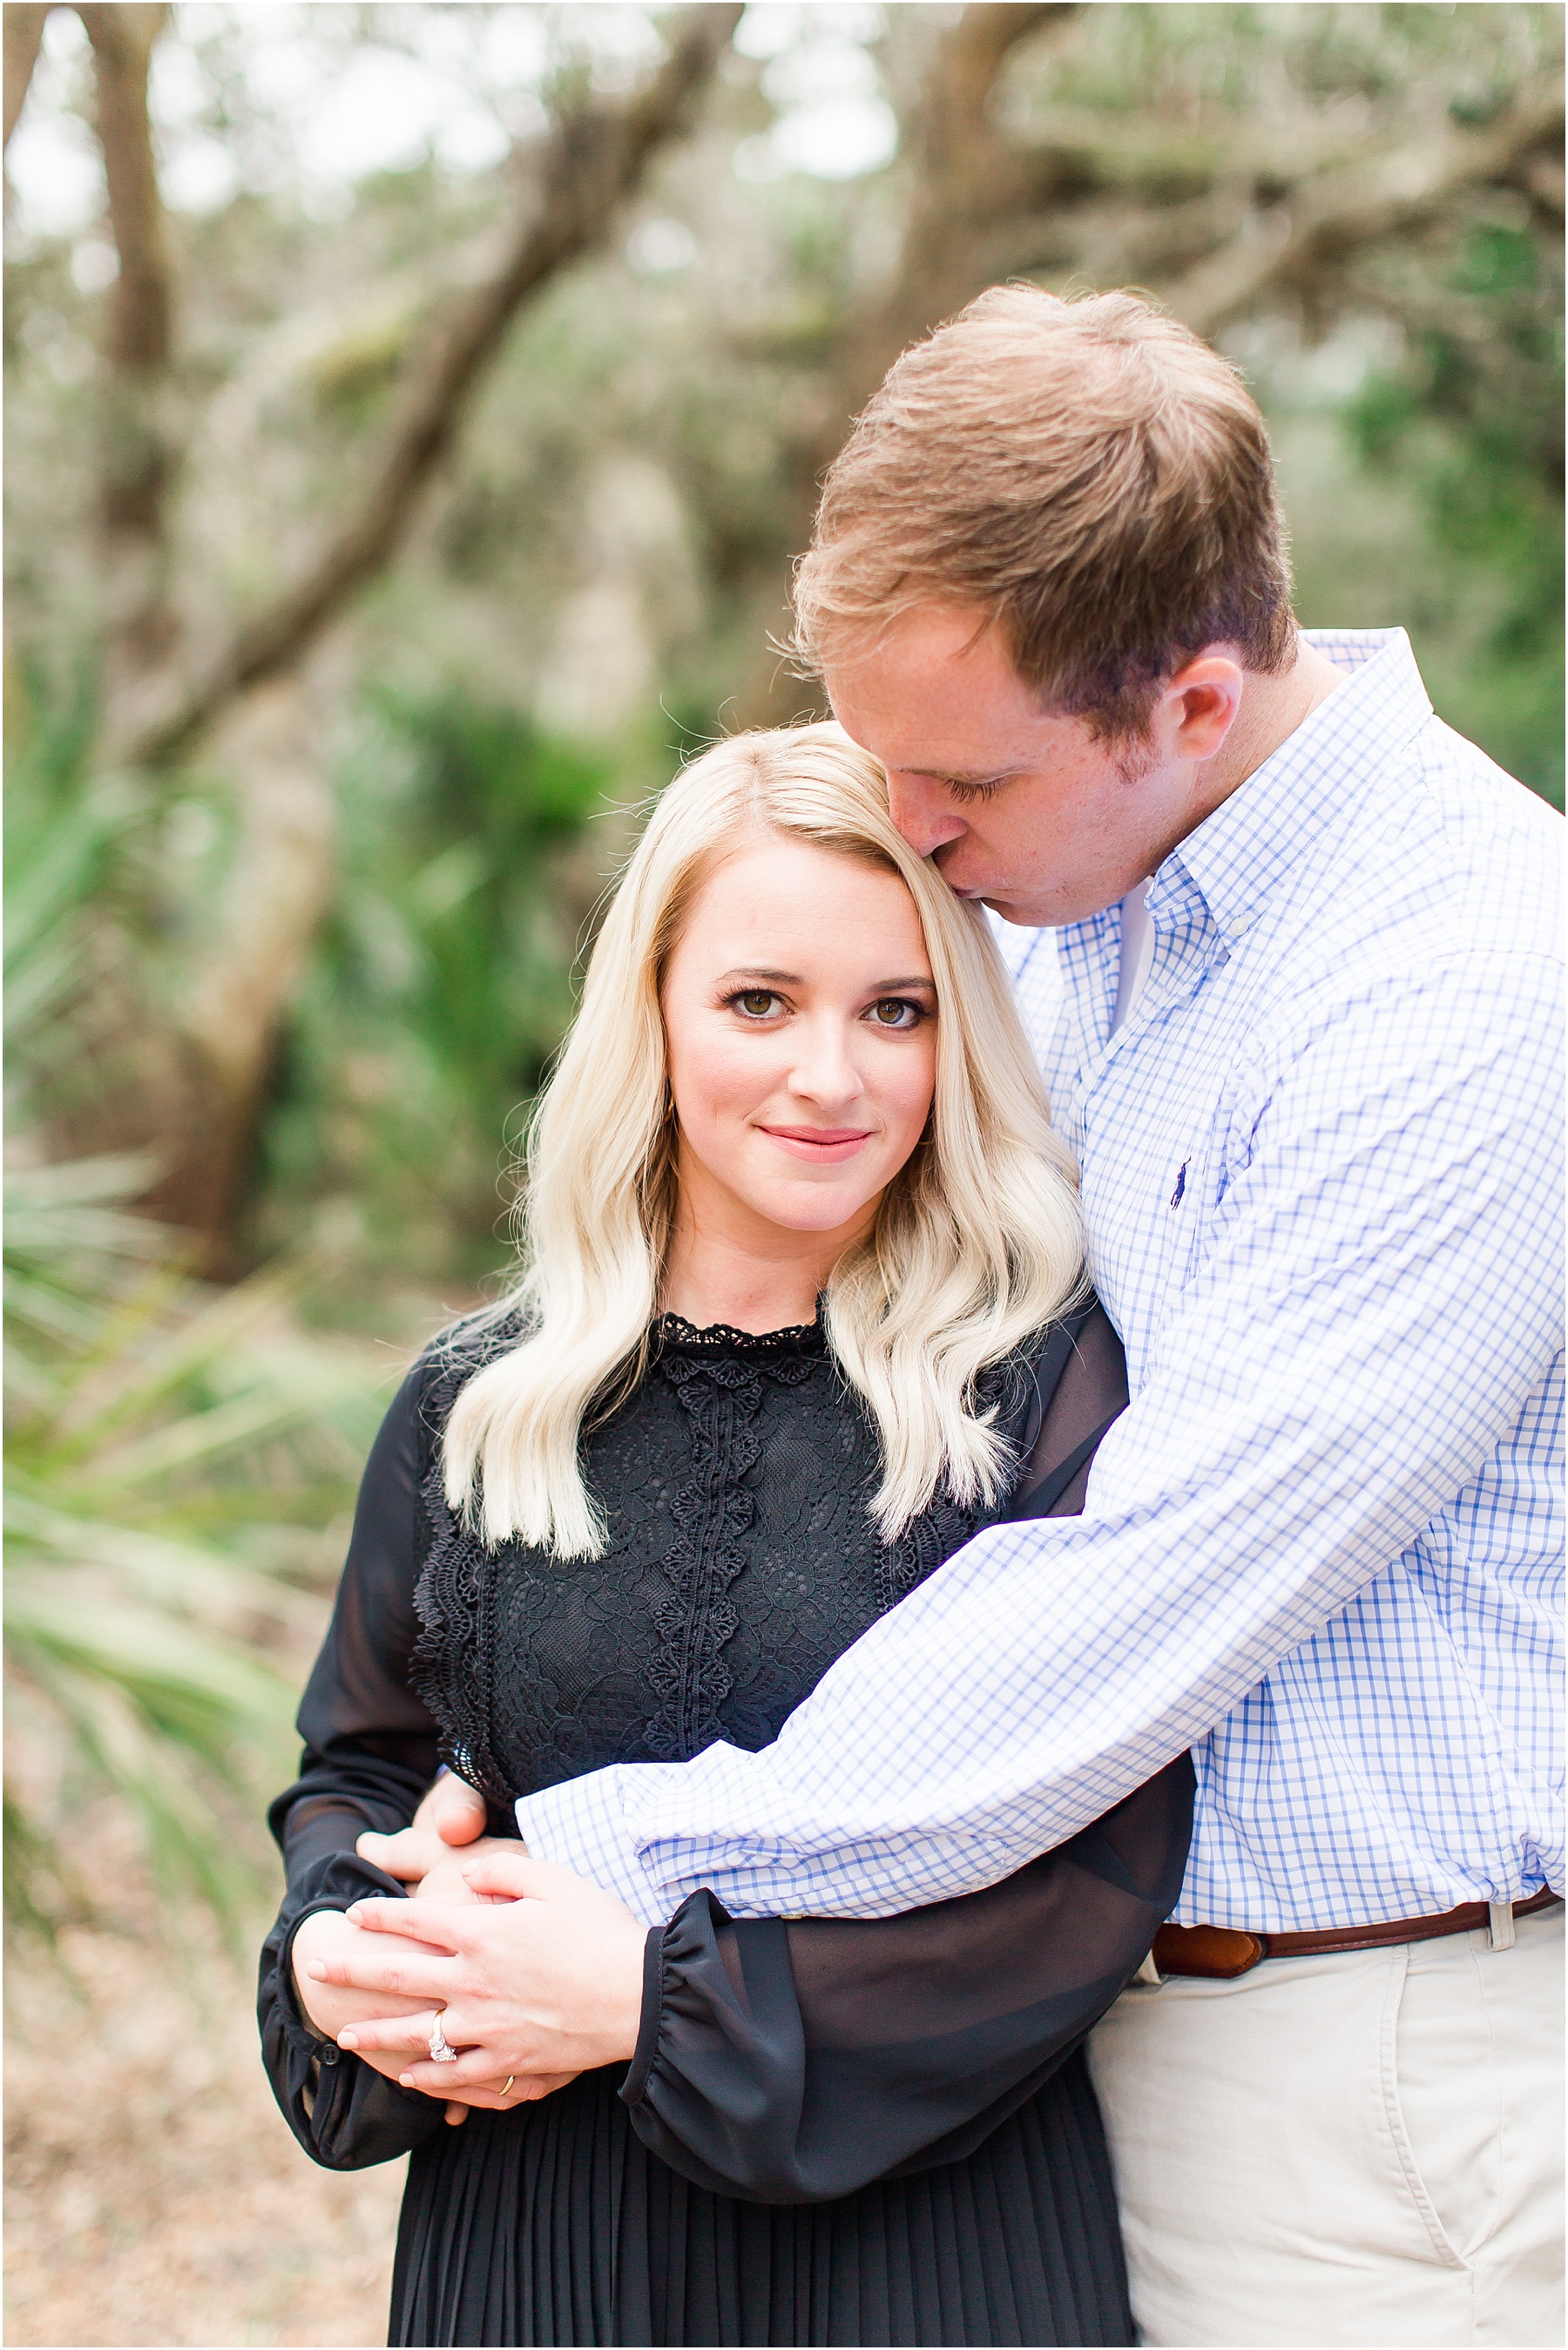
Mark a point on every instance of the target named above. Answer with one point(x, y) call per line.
point(143, 1407)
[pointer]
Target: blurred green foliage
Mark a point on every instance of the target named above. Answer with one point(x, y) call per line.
point(440, 986)
point(1471, 418)
point(164, 1448)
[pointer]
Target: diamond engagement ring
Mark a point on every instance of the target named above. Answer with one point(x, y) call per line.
point(441, 2051)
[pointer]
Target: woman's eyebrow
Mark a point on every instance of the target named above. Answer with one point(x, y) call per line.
point(792, 979)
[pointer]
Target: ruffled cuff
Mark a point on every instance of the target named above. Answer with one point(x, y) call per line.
point(651, 2021)
point(716, 2082)
point(345, 2113)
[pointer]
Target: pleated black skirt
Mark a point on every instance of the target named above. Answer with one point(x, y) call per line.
point(554, 2224)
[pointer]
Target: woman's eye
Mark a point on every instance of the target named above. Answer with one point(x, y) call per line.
point(756, 1004)
point(897, 1011)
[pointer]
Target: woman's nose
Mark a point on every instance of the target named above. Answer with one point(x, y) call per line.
point(824, 1069)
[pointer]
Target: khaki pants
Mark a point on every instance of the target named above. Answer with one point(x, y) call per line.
point(1359, 2150)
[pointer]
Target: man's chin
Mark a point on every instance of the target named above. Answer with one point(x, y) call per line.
point(1019, 912)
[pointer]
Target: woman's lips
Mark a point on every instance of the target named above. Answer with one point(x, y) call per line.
point(821, 1145)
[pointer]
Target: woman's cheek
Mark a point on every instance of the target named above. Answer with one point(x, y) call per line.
point(735, 1086)
point(908, 1096)
point(717, 1092)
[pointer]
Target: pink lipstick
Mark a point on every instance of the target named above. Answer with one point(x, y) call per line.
point(819, 1146)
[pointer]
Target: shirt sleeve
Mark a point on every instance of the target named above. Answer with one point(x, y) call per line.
point(1374, 1303)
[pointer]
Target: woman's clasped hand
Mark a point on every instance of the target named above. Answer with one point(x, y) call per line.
point(349, 1967)
point(487, 1961)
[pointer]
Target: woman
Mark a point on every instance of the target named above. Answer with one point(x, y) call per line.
point(801, 1312)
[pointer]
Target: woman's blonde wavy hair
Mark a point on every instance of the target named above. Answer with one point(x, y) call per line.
point(976, 1246)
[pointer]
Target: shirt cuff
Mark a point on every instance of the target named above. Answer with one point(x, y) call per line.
point(582, 1825)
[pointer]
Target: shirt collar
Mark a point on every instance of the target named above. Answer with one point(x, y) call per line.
point(1309, 788)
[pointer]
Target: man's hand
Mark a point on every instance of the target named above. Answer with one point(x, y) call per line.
point(448, 1880)
point(456, 1810)
point(424, 1863)
point(451, 1814)
point(547, 1985)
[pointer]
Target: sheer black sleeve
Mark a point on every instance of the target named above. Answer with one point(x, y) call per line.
point(793, 2061)
point(369, 1754)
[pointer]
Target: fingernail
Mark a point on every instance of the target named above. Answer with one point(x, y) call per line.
point(317, 1969)
point(348, 2040)
point(405, 2080)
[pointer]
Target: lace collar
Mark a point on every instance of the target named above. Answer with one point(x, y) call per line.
point(672, 1331)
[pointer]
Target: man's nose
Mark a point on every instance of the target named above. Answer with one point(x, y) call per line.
point(923, 813)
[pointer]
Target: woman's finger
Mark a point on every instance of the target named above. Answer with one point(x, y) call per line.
point(397, 2032)
point(426, 1921)
point(494, 2096)
point(476, 2068)
point(524, 2089)
point(413, 1976)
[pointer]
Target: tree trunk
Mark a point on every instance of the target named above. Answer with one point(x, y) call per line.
point(587, 166)
point(135, 457)
point(229, 1020)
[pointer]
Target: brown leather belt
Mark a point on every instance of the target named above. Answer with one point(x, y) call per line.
point(1221, 1953)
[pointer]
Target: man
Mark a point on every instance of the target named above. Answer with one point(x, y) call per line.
point(1304, 1040)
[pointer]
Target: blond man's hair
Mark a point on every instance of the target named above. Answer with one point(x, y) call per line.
point(976, 1243)
point(1087, 474)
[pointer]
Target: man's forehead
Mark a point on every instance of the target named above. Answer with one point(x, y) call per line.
point(974, 743)
point(932, 697)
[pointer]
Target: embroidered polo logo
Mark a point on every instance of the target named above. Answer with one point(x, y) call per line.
point(1181, 1184)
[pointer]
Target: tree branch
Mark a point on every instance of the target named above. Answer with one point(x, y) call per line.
point(964, 180)
point(122, 40)
point(135, 458)
point(589, 163)
point(1323, 220)
point(24, 39)
point(965, 177)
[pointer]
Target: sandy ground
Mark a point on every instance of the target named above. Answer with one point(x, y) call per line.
point(153, 2192)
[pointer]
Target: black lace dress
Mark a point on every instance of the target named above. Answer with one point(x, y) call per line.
point(830, 2131)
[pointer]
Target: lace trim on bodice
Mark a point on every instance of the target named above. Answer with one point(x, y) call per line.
point(717, 1372)
point(718, 1375)
point(449, 1600)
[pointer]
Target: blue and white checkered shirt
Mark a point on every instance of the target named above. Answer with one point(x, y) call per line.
point(1323, 1184)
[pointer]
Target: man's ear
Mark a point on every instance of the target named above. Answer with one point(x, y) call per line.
point(1200, 704)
